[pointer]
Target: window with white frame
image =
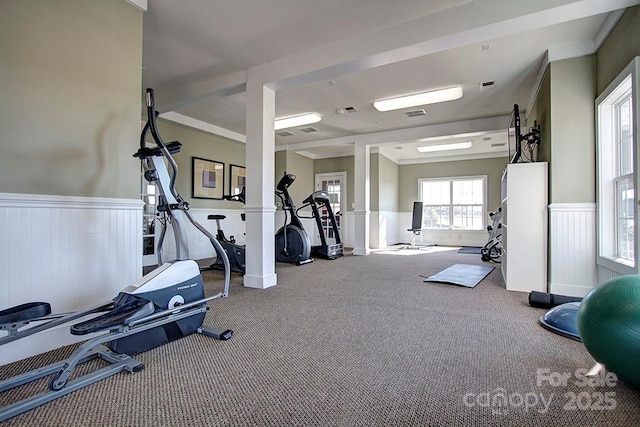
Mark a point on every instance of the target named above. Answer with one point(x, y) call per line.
point(453, 203)
point(617, 141)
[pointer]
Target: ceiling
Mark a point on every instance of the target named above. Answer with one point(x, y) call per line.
point(337, 57)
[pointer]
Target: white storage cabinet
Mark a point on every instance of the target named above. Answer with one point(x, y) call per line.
point(524, 226)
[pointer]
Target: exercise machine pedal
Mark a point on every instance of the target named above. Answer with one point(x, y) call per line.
point(25, 312)
point(215, 333)
point(123, 315)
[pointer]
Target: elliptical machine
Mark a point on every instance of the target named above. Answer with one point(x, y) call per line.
point(235, 253)
point(319, 202)
point(492, 250)
point(167, 304)
point(292, 242)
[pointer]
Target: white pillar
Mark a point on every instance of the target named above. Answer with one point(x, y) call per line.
point(361, 212)
point(260, 159)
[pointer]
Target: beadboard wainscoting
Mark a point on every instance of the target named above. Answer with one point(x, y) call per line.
point(384, 227)
point(199, 245)
point(572, 248)
point(439, 237)
point(72, 252)
point(605, 274)
point(233, 226)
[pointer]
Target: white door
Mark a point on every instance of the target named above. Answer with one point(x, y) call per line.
point(334, 184)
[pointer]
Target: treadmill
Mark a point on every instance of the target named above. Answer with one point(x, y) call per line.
point(320, 202)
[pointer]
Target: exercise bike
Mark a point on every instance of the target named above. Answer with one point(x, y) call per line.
point(235, 252)
point(323, 214)
point(292, 242)
point(492, 250)
point(167, 304)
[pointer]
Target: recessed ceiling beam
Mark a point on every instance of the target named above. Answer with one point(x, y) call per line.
point(469, 23)
point(378, 139)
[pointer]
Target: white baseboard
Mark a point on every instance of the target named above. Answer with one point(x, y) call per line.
point(568, 290)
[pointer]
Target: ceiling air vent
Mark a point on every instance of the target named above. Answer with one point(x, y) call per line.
point(343, 110)
point(285, 133)
point(415, 113)
point(488, 85)
point(308, 129)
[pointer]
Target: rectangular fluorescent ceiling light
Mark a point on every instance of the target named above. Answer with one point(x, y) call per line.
point(301, 120)
point(445, 147)
point(416, 99)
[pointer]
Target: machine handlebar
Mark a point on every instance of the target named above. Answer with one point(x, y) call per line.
point(240, 197)
point(285, 182)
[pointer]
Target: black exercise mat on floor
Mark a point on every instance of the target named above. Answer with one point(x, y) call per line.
point(470, 250)
point(462, 275)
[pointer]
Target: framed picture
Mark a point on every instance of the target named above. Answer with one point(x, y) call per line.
point(238, 179)
point(208, 179)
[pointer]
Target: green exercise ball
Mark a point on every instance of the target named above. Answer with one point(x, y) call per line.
point(609, 326)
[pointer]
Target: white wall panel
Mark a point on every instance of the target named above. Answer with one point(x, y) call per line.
point(385, 228)
point(605, 274)
point(572, 248)
point(72, 252)
point(438, 237)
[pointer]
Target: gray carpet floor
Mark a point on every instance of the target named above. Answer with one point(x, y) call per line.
point(359, 341)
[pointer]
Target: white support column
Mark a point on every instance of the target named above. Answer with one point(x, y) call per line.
point(260, 158)
point(361, 212)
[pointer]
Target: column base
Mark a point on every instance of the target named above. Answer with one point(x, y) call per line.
point(260, 282)
point(361, 251)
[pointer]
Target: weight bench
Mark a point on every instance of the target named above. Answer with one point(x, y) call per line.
point(416, 226)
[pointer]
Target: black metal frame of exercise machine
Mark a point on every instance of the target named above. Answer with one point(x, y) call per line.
point(292, 242)
point(235, 253)
point(492, 250)
point(319, 201)
point(164, 305)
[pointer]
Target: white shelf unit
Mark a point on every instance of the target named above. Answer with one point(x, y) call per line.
point(524, 227)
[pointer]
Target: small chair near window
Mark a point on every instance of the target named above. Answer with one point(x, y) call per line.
point(416, 225)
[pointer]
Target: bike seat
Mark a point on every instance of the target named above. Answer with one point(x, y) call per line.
point(216, 217)
point(24, 312)
point(119, 316)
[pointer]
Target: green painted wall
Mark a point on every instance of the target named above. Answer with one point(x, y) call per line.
point(339, 164)
point(409, 174)
point(620, 47)
point(540, 113)
point(388, 187)
point(564, 109)
point(204, 145)
point(280, 165)
point(302, 168)
point(572, 166)
point(71, 94)
point(374, 183)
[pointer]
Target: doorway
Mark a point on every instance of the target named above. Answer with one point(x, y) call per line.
point(335, 185)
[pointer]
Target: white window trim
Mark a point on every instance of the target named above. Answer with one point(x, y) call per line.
point(460, 178)
point(619, 266)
